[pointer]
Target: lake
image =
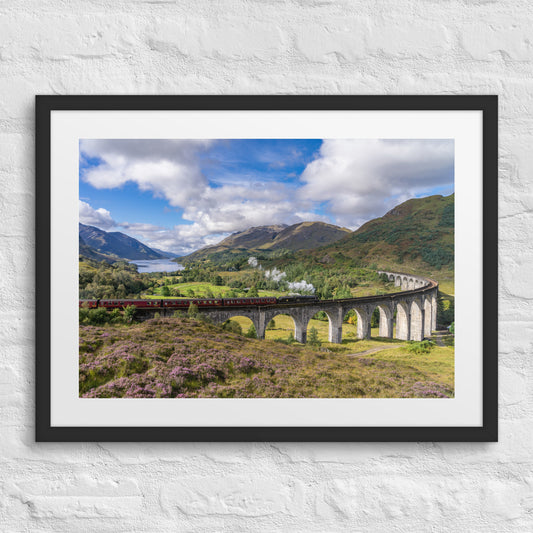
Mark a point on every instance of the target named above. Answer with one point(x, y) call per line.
point(157, 265)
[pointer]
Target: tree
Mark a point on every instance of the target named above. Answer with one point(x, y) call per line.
point(129, 313)
point(253, 293)
point(312, 338)
point(271, 324)
point(165, 291)
point(374, 320)
point(251, 333)
point(193, 311)
point(217, 280)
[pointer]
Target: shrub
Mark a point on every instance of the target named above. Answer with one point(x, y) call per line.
point(233, 327)
point(84, 315)
point(271, 324)
point(129, 313)
point(321, 315)
point(116, 317)
point(420, 347)
point(193, 311)
point(98, 316)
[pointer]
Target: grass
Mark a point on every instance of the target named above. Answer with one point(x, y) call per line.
point(201, 289)
point(176, 358)
point(439, 364)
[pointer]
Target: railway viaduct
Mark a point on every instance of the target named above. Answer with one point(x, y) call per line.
point(414, 309)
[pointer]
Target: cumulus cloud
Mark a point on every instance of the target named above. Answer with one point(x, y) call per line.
point(101, 218)
point(362, 179)
point(168, 168)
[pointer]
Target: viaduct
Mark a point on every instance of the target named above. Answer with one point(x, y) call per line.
point(414, 308)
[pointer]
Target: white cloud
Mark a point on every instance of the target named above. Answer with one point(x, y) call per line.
point(168, 168)
point(101, 218)
point(362, 179)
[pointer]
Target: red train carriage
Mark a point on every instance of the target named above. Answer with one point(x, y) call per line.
point(89, 304)
point(177, 303)
point(249, 301)
point(120, 304)
point(184, 304)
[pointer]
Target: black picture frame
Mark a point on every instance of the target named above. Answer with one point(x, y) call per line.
point(488, 105)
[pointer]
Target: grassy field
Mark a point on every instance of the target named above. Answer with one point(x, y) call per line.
point(181, 357)
point(203, 289)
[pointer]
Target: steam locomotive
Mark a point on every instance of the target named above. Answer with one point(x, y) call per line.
point(200, 302)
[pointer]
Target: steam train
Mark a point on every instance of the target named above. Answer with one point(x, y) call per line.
point(200, 302)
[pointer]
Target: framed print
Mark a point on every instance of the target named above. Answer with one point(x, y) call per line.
point(250, 268)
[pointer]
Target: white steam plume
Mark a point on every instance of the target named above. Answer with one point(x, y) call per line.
point(278, 276)
point(302, 287)
point(275, 275)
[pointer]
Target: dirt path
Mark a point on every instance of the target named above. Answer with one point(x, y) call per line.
point(438, 337)
point(374, 350)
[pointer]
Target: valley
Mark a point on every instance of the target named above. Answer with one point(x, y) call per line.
point(274, 261)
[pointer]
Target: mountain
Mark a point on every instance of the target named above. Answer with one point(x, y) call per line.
point(170, 255)
point(417, 236)
point(111, 246)
point(252, 238)
point(302, 236)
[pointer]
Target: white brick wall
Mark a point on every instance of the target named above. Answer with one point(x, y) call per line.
point(270, 46)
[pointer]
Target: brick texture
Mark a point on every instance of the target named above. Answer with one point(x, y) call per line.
point(256, 47)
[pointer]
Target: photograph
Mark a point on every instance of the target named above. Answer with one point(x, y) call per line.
point(266, 268)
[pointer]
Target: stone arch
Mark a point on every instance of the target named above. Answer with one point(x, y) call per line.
point(417, 320)
point(385, 320)
point(405, 283)
point(428, 318)
point(403, 321)
point(300, 323)
point(363, 320)
point(246, 325)
point(398, 281)
point(391, 277)
point(333, 334)
point(219, 317)
point(411, 284)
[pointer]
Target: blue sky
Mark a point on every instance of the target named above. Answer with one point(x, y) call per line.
point(180, 195)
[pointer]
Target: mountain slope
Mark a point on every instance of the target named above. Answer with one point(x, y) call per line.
point(114, 244)
point(302, 236)
point(306, 235)
point(417, 235)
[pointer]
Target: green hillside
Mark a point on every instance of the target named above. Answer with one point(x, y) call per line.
point(416, 236)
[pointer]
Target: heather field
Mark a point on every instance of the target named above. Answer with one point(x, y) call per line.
point(187, 358)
